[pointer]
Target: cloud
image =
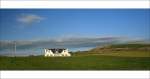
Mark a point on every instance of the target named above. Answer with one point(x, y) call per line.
point(64, 43)
point(71, 43)
point(29, 19)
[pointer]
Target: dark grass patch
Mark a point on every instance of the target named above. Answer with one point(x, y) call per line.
point(89, 62)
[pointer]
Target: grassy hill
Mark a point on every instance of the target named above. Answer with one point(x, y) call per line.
point(123, 50)
point(112, 57)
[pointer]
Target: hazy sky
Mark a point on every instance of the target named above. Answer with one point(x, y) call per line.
point(31, 24)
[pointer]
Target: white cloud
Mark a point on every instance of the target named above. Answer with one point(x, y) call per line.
point(29, 18)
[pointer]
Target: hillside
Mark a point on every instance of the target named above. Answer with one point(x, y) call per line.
point(125, 50)
point(118, 47)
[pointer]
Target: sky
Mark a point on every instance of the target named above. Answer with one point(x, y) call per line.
point(63, 25)
point(28, 24)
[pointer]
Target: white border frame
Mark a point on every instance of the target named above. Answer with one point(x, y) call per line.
point(76, 74)
point(75, 4)
point(138, 4)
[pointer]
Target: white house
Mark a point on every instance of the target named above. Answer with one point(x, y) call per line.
point(56, 52)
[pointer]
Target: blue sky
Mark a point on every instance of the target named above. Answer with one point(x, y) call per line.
point(29, 24)
point(76, 29)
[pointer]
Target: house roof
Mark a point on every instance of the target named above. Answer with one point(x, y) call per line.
point(57, 50)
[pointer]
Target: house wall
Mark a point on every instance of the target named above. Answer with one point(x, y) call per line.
point(49, 53)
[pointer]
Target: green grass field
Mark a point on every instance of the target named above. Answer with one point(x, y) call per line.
point(76, 62)
point(90, 60)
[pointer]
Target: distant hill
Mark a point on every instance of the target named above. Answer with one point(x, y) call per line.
point(118, 47)
point(121, 50)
